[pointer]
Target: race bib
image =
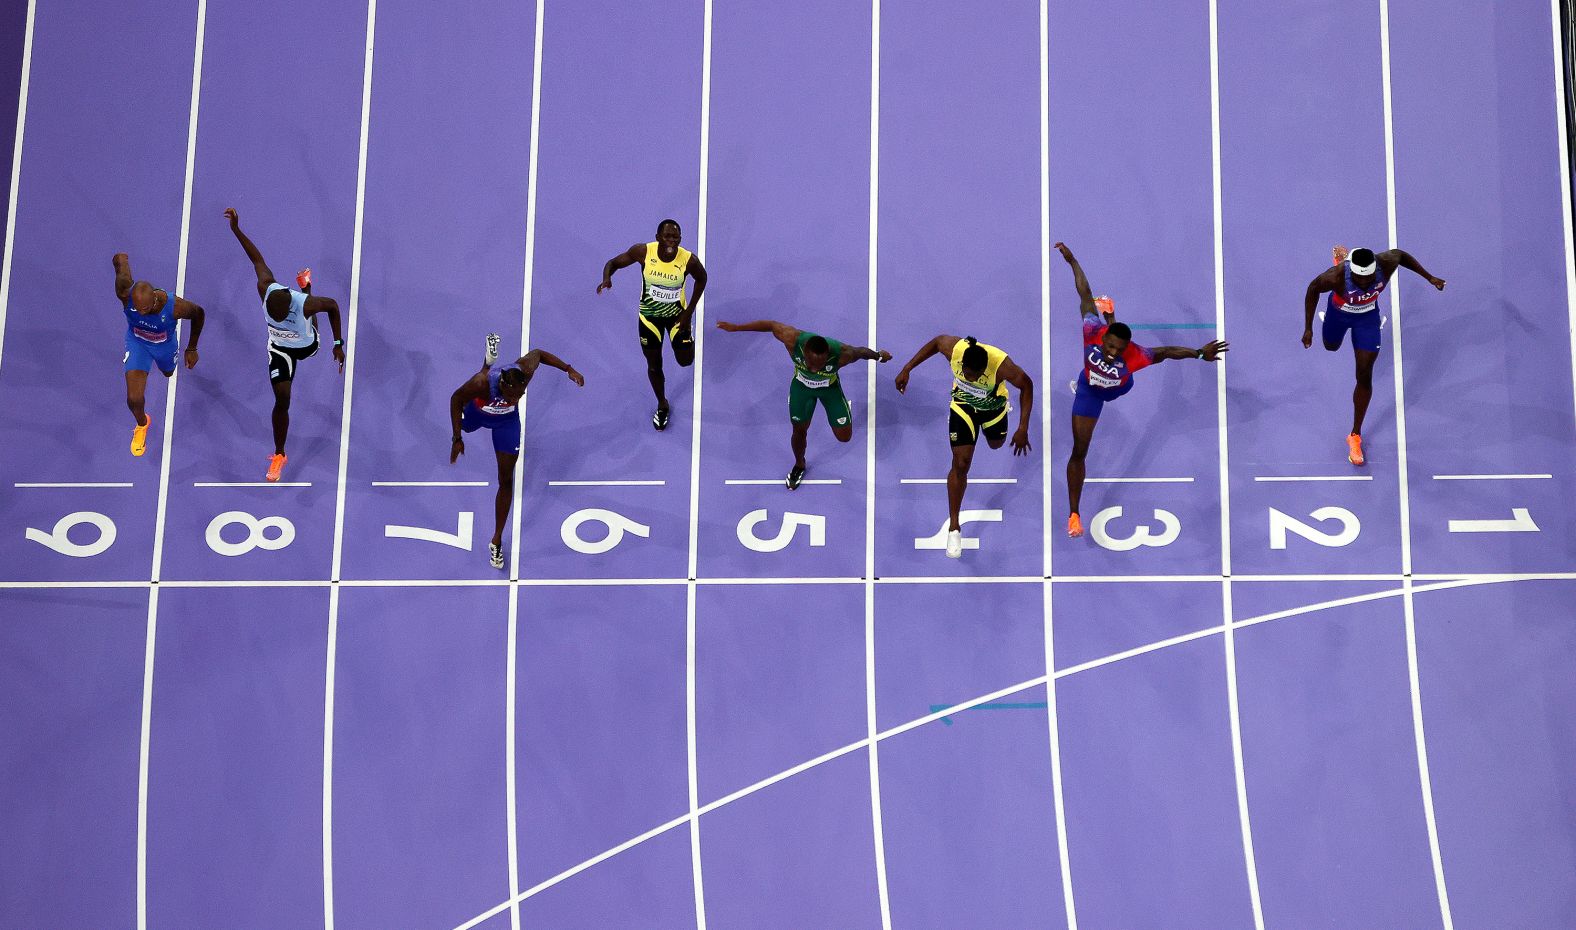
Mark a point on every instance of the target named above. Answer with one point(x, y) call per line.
point(282, 335)
point(664, 295)
point(973, 390)
point(813, 382)
point(1096, 379)
point(152, 337)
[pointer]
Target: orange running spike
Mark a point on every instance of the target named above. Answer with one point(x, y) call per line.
point(276, 465)
point(1074, 526)
point(1105, 305)
point(1354, 449)
point(304, 278)
point(1338, 254)
point(139, 436)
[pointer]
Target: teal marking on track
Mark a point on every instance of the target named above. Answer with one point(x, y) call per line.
point(1006, 705)
point(1171, 326)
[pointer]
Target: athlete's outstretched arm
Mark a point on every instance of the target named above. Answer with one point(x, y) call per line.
point(1323, 283)
point(787, 335)
point(123, 278)
point(1405, 260)
point(330, 306)
point(265, 276)
point(1018, 378)
point(1086, 303)
point(186, 310)
point(942, 344)
point(634, 254)
point(860, 353)
point(697, 273)
point(535, 358)
point(1209, 352)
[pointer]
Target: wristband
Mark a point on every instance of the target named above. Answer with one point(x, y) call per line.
point(1200, 353)
point(339, 343)
point(456, 438)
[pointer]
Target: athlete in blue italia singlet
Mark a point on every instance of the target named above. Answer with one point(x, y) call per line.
point(152, 338)
point(292, 335)
point(490, 400)
point(1354, 284)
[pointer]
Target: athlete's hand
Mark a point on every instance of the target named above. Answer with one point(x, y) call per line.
point(339, 356)
point(902, 381)
point(1214, 350)
point(727, 327)
point(1066, 252)
point(606, 284)
point(1307, 339)
point(456, 450)
point(1438, 283)
point(1020, 441)
point(233, 217)
point(191, 358)
point(576, 377)
point(883, 355)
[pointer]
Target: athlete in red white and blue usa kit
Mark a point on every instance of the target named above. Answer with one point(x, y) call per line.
point(1110, 358)
point(1354, 284)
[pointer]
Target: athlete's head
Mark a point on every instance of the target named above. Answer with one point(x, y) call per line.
point(1115, 341)
point(974, 360)
point(511, 384)
point(1363, 264)
point(143, 299)
point(278, 303)
point(669, 235)
point(816, 353)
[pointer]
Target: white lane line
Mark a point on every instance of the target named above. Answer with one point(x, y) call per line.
point(1138, 481)
point(1487, 477)
point(430, 484)
point(779, 481)
point(1564, 171)
point(344, 466)
point(606, 484)
point(251, 484)
point(972, 480)
point(1313, 477)
point(16, 171)
point(1047, 478)
point(72, 484)
point(877, 827)
point(145, 740)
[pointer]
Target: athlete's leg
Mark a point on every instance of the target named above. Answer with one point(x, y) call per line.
point(798, 441)
point(1364, 391)
point(136, 391)
point(505, 496)
point(995, 442)
point(843, 433)
point(683, 347)
point(838, 416)
point(281, 415)
point(958, 482)
point(651, 348)
point(1083, 431)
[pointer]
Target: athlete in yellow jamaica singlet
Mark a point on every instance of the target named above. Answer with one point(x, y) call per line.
point(663, 307)
point(980, 375)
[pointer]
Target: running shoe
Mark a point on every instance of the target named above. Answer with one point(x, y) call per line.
point(795, 475)
point(1074, 527)
point(493, 342)
point(304, 279)
point(139, 436)
point(276, 464)
point(495, 555)
point(1106, 306)
point(1073, 386)
point(954, 544)
point(660, 419)
point(1338, 254)
point(1354, 449)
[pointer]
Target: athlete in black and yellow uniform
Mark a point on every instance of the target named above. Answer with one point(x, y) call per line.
point(980, 375)
point(816, 361)
point(664, 309)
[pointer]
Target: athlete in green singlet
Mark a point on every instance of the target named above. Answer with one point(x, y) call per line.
point(816, 361)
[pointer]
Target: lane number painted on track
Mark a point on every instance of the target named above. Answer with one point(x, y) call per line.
point(1142, 535)
point(459, 539)
point(617, 525)
point(57, 538)
point(256, 533)
point(1520, 522)
point(965, 517)
point(814, 522)
point(1281, 524)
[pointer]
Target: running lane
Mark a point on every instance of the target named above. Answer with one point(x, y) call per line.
point(13, 25)
point(789, 187)
point(102, 173)
point(1300, 99)
point(443, 264)
point(1141, 226)
point(1490, 390)
point(619, 152)
point(278, 143)
point(959, 254)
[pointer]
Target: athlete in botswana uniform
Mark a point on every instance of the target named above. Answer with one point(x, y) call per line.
point(980, 375)
point(1354, 283)
point(152, 339)
point(816, 362)
point(292, 335)
point(664, 309)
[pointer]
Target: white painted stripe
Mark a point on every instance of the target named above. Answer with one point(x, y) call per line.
point(606, 484)
point(1487, 477)
point(251, 484)
point(1424, 780)
point(972, 480)
point(872, 290)
point(1313, 477)
point(779, 481)
point(16, 171)
point(73, 484)
point(145, 741)
point(336, 563)
point(1138, 481)
point(1565, 184)
point(430, 484)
